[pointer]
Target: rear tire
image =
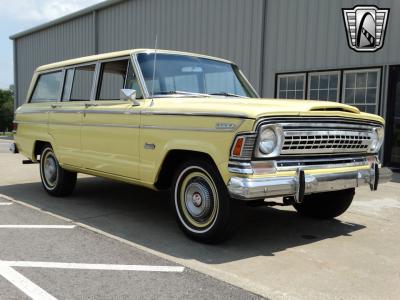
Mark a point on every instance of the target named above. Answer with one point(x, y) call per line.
point(325, 205)
point(55, 180)
point(203, 208)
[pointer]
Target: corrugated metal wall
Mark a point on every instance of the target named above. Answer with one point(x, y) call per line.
point(299, 35)
point(310, 35)
point(67, 40)
point(230, 29)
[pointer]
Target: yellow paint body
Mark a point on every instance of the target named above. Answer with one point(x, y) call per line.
point(114, 145)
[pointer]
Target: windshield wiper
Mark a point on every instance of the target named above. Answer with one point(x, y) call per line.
point(227, 95)
point(181, 93)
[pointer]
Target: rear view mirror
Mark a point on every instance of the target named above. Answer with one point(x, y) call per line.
point(128, 95)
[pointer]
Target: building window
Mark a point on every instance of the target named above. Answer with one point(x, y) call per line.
point(324, 86)
point(361, 89)
point(291, 86)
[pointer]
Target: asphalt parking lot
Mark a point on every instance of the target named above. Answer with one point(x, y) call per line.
point(276, 254)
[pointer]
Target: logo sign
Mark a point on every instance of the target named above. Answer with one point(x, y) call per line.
point(366, 27)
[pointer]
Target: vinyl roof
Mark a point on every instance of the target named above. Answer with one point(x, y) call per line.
point(66, 18)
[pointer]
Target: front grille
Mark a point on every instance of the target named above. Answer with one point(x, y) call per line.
point(327, 141)
point(323, 136)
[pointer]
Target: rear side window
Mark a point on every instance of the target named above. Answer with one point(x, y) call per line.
point(82, 83)
point(47, 87)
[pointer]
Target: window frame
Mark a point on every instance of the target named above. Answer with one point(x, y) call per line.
point(293, 74)
point(378, 86)
point(99, 73)
point(47, 72)
point(341, 70)
point(319, 73)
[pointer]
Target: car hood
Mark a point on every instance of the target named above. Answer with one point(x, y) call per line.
point(257, 108)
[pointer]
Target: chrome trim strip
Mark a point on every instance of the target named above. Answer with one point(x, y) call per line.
point(188, 128)
point(311, 126)
point(128, 126)
point(31, 122)
point(238, 167)
point(307, 120)
point(202, 114)
point(109, 125)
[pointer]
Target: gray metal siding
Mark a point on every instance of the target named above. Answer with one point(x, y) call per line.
point(226, 28)
point(230, 29)
point(68, 40)
point(310, 35)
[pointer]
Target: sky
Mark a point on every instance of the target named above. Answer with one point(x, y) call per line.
point(19, 15)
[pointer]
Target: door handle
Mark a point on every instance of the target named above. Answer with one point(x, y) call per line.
point(87, 105)
point(55, 105)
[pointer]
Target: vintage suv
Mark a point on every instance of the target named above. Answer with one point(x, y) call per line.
point(193, 124)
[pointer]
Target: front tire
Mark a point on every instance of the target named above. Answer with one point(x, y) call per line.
point(55, 180)
point(202, 205)
point(325, 205)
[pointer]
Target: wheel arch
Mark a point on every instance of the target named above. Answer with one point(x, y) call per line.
point(173, 159)
point(38, 147)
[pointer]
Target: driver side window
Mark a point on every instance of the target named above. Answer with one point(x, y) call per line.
point(114, 76)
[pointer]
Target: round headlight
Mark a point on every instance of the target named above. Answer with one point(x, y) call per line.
point(268, 141)
point(377, 139)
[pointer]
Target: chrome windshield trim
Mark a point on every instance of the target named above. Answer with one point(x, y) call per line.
point(139, 74)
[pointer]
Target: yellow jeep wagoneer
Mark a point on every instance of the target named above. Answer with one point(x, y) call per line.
point(193, 124)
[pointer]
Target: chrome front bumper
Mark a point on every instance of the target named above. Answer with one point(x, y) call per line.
point(301, 184)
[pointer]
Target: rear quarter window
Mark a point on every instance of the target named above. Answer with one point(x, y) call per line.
point(47, 87)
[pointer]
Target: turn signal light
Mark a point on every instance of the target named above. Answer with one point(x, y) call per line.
point(237, 148)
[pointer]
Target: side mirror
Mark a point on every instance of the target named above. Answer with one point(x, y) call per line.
point(128, 95)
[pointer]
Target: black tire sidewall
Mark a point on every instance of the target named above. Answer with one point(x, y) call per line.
point(66, 180)
point(326, 205)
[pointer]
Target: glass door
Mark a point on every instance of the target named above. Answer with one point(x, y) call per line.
point(392, 135)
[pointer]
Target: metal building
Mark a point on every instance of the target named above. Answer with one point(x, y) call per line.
point(287, 49)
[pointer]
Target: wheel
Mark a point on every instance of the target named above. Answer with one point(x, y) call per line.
point(325, 205)
point(55, 180)
point(203, 208)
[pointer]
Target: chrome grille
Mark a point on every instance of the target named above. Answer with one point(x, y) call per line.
point(327, 141)
point(247, 150)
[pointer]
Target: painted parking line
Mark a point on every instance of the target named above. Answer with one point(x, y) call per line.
point(37, 293)
point(81, 266)
point(24, 284)
point(5, 203)
point(37, 226)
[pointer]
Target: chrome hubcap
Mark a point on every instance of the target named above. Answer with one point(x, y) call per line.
point(198, 200)
point(50, 169)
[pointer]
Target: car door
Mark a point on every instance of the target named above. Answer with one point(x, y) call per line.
point(110, 126)
point(33, 117)
point(65, 117)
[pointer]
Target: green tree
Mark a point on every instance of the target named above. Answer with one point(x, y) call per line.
point(6, 110)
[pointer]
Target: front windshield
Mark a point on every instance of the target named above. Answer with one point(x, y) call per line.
point(180, 74)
